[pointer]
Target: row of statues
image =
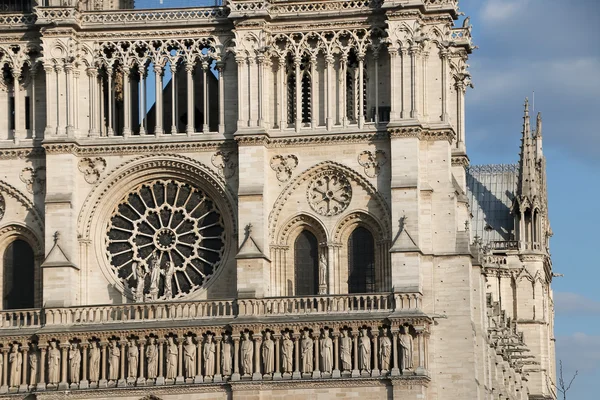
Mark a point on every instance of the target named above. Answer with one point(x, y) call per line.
point(154, 271)
point(206, 358)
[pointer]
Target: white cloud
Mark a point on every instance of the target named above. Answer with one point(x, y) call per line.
point(574, 303)
point(500, 10)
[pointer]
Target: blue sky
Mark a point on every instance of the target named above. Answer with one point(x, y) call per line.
point(550, 47)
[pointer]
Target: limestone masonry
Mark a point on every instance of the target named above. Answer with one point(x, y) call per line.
point(261, 200)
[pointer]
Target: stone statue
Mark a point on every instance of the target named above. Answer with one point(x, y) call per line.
point(346, 351)
point(16, 362)
point(172, 354)
point(189, 357)
point(53, 364)
point(323, 273)
point(247, 353)
point(385, 350)
point(140, 275)
point(226, 355)
point(94, 360)
point(74, 363)
point(133, 355)
point(33, 364)
point(114, 354)
point(154, 276)
point(169, 280)
point(268, 354)
point(364, 350)
point(326, 352)
point(287, 351)
point(152, 358)
point(208, 355)
point(406, 343)
point(306, 348)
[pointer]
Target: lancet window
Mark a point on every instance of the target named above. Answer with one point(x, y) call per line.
point(361, 261)
point(18, 276)
point(306, 265)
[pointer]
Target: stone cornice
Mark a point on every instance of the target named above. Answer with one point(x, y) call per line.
point(329, 138)
point(460, 161)
point(81, 149)
point(21, 153)
point(422, 133)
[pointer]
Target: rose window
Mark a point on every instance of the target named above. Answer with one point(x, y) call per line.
point(173, 222)
point(329, 193)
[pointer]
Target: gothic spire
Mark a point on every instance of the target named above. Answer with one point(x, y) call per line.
point(526, 184)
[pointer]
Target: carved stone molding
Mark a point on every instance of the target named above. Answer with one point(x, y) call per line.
point(92, 168)
point(11, 154)
point(372, 162)
point(2, 206)
point(137, 148)
point(225, 162)
point(422, 134)
point(460, 161)
point(283, 166)
point(329, 193)
point(25, 202)
point(34, 179)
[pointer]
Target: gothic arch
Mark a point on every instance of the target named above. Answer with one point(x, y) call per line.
point(102, 200)
point(300, 222)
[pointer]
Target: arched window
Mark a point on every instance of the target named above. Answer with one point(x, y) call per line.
point(18, 275)
point(361, 261)
point(306, 270)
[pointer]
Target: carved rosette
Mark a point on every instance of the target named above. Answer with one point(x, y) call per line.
point(34, 179)
point(284, 166)
point(92, 168)
point(225, 162)
point(372, 162)
point(2, 206)
point(329, 193)
point(177, 221)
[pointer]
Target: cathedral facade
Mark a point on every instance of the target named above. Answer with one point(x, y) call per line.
point(261, 200)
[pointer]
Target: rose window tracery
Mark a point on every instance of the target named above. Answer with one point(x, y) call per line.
point(174, 222)
point(329, 193)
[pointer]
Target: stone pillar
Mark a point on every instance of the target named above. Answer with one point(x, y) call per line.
point(298, 92)
point(329, 91)
point(260, 61)
point(414, 87)
point(19, 132)
point(180, 379)
point(173, 100)
point(236, 358)
point(141, 380)
point(50, 100)
point(395, 368)
point(336, 356)
point(376, 63)
point(277, 372)
point(198, 378)
point(281, 97)
point(313, 93)
point(189, 69)
point(63, 385)
point(395, 85)
point(122, 382)
point(143, 94)
point(205, 124)
point(355, 370)
point(42, 383)
point(158, 105)
point(24, 368)
point(84, 383)
point(241, 63)
point(92, 74)
point(111, 95)
point(160, 379)
point(218, 377)
point(69, 99)
point(126, 102)
point(5, 365)
point(256, 376)
point(103, 382)
point(220, 68)
point(296, 374)
point(444, 60)
point(316, 369)
point(375, 353)
point(361, 92)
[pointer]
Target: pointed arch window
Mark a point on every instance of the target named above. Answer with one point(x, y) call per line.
point(361, 261)
point(18, 286)
point(306, 264)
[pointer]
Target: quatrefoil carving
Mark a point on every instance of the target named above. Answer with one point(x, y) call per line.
point(372, 162)
point(284, 166)
point(92, 168)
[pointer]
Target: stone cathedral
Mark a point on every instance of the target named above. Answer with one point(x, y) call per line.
point(261, 199)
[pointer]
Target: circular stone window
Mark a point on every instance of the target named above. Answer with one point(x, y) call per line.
point(169, 225)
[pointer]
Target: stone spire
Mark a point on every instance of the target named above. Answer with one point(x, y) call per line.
point(526, 189)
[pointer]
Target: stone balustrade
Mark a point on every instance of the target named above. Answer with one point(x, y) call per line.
point(20, 318)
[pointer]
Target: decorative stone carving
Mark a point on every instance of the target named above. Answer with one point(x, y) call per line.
point(346, 351)
point(33, 364)
point(208, 354)
point(287, 351)
point(2, 206)
point(189, 357)
point(268, 354)
point(34, 179)
point(15, 360)
point(94, 362)
point(114, 355)
point(173, 226)
point(406, 347)
point(329, 193)
point(226, 356)
point(364, 351)
point(133, 354)
point(152, 358)
point(326, 352)
point(306, 348)
point(92, 168)
point(225, 163)
point(372, 162)
point(53, 364)
point(172, 355)
point(385, 350)
point(284, 166)
point(322, 273)
point(74, 363)
point(247, 351)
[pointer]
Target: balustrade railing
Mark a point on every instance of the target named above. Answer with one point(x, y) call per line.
point(212, 309)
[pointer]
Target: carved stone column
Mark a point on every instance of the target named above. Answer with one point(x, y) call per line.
point(277, 372)
point(141, 380)
point(142, 78)
point(242, 121)
point(395, 368)
point(361, 92)
point(316, 370)
point(329, 91)
point(205, 70)
point(4, 388)
point(414, 87)
point(103, 382)
point(336, 356)
point(160, 379)
point(92, 74)
point(296, 374)
point(69, 99)
point(281, 97)
point(220, 68)
point(260, 62)
point(19, 132)
point(218, 377)
point(126, 102)
point(298, 92)
point(158, 105)
point(180, 379)
point(236, 358)
point(24, 368)
point(64, 347)
point(313, 93)
point(376, 68)
point(375, 353)
point(84, 383)
point(257, 376)
point(50, 100)
point(122, 382)
point(42, 383)
point(355, 371)
point(420, 370)
point(198, 378)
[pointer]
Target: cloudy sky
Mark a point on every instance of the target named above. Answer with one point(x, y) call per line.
point(550, 47)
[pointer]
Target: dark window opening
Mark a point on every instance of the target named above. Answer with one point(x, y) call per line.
point(11, 106)
point(18, 276)
point(27, 112)
point(361, 262)
point(306, 266)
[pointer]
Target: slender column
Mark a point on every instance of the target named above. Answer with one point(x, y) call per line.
point(421, 344)
point(277, 373)
point(75, 101)
point(189, 69)
point(205, 128)
point(316, 370)
point(261, 87)
point(361, 92)
point(217, 377)
point(236, 359)
point(33, 98)
point(123, 346)
point(414, 111)
point(57, 99)
point(355, 371)
point(160, 379)
point(69, 98)
point(220, 68)
point(158, 105)
point(51, 105)
point(395, 83)
point(180, 378)
point(460, 90)
point(199, 356)
point(83, 383)
point(241, 62)
point(101, 96)
point(257, 341)
point(405, 92)
point(376, 64)
point(281, 90)
point(5, 367)
point(423, 81)
point(395, 368)
point(313, 93)
point(250, 87)
point(141, 358)
point(103, 365)
point(173, 100)
point(42, 383)
point(19, 127)
point(298, 98)
point(24, 368)
point(342, 107)
point(336, 355)
point(329, 60)
point(444, 59)
point(109, 72)
point(375, 354)
point(126, 102)
point(296, 374)
point(142, 72)
point(92, 74)
point(63, 377)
